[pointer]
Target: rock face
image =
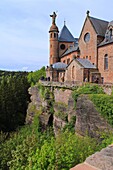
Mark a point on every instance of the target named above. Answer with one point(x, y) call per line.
point(35, 104)
point(38, 104)
point(88, 120)
point(62, 106)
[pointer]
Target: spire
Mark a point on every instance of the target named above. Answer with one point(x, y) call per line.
point(65, 35)
point(64, 22)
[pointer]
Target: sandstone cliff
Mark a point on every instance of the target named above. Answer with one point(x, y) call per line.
point(56, 106)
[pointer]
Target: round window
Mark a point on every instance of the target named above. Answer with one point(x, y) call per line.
point(62, 46)
point(86, 37)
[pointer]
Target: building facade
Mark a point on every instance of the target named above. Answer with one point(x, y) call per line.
point(89, 57)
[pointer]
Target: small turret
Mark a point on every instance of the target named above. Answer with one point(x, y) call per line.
point(53, 41)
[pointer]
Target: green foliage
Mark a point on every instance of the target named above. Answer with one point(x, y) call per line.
point(47, 95)
point(33, 77)
point(30, 149)
point(104, 104)
point(15, 149)
point(70, 126)
point(13, 100)
point(87, 89)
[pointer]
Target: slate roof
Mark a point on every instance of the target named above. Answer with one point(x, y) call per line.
point(105, 42)
point(71, 49)
point(66, 35)
point(100, 26)
point(59, 65)
point(85, 63)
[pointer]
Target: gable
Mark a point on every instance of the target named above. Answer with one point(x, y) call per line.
point(84, 63)
point(86, 20)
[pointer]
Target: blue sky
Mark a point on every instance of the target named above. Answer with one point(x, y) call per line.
point(24, 26)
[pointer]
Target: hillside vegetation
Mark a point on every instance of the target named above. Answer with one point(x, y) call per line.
point(14, 99)
point(28, 148)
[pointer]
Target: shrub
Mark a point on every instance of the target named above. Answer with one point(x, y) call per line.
point(104, 104)
point(87, 89)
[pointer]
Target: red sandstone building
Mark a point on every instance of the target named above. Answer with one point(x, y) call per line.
point(89, 58)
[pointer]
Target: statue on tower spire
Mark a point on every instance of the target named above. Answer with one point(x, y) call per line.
point(53, 18)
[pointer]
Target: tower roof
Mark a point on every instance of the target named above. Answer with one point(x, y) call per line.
point(66, 35)
point(99, 25)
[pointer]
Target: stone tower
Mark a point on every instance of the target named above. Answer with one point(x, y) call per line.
point(54, 54)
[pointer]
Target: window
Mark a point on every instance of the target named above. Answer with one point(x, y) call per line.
point(62, 46)
point(73, 72)
point(106, 62)
point(86, 37)
point(54, 35)
point(89, 57)
point(110, 32)
point(86, 57)
point(68, 60)
point(51, 35)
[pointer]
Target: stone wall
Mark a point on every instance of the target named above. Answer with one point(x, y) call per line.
point(106, 73)
point(71, 85)
point(88, 49)
point(102, 160)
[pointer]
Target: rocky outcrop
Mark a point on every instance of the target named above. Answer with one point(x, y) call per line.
point(88, 120)
point(61, 103)
point(35, 105)
point(39, 105)
point(57, 109)
point(102, 160)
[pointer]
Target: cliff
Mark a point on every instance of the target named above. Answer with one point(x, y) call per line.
point(57, 108)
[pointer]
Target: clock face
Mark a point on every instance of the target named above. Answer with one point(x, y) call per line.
point(87, 37)
point(62, 46)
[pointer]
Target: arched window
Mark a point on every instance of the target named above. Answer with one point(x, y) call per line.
point(51, 35)
point(106, 62)
point(54, 35)
point(110, 32)
point(89, 57)
point(68, 60)
point(73, 72)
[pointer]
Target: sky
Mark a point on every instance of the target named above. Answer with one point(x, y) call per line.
point(24, 26)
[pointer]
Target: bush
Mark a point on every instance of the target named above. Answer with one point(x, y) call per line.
point(87, 89)
point(104, 104)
